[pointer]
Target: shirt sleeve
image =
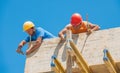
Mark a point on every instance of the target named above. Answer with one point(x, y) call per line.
point(27, 39)
point(40, 33)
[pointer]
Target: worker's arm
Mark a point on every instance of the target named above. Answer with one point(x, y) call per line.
point(34, 47)
point(63, 31)
point(92, 27)
point(22, 43)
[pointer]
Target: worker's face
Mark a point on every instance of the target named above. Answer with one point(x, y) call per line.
point(77, 26)
point(30, 31)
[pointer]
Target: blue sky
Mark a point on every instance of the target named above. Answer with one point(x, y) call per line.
point(51, 15)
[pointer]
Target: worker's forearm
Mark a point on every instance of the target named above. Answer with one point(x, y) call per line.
point(95, 28)
point(21, 44)
point(34, 48)
point(61, 36)
point(30, 50)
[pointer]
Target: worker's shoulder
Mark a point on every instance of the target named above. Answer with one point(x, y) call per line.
point(85, 22)
point(68, 26)
point(39, 29)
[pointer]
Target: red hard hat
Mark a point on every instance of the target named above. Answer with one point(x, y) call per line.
point(76, 19)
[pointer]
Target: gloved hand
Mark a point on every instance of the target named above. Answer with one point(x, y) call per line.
point(89, 31)
point(19, 50)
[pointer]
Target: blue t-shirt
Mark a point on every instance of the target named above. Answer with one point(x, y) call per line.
point(39, 32)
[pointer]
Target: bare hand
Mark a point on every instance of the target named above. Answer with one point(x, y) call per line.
point(62, 38)
point(28, 51)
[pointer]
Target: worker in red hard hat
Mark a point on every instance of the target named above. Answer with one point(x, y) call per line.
point(77, 25)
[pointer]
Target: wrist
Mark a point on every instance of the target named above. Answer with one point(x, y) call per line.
point(20, 46)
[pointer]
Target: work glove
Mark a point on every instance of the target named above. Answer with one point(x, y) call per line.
point(20, 51)
point(89, 31)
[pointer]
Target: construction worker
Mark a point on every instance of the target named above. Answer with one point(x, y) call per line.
point(77, 25)
point(35, 34)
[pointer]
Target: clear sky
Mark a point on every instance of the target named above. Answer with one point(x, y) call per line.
point(51, 15)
